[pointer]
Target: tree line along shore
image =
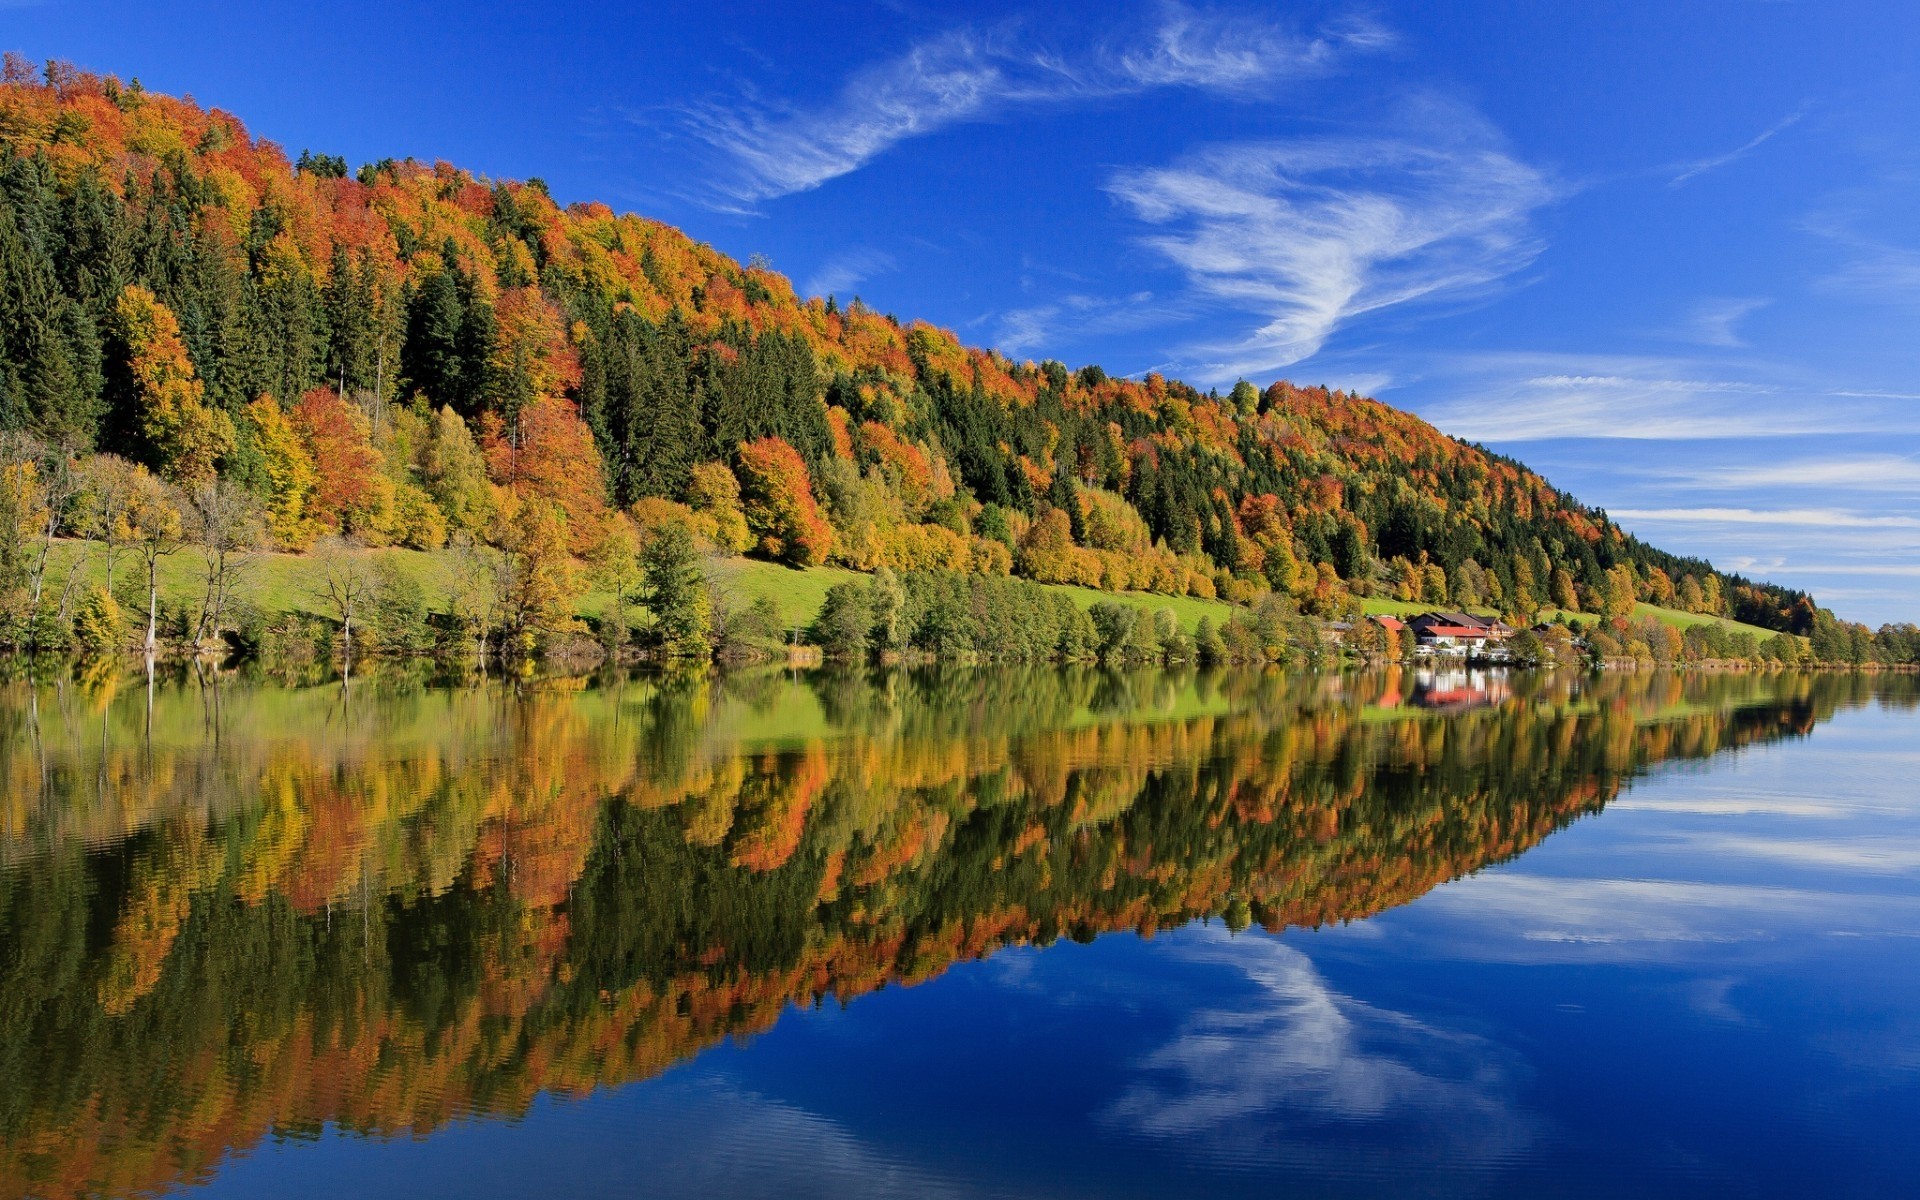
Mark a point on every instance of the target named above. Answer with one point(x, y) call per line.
point(670, 598)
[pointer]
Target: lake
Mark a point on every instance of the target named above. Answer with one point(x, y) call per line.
point(961, 932)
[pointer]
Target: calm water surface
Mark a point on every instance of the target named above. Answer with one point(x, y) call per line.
point(1020, 933)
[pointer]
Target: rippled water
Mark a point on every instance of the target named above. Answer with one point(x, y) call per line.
point(990, 932)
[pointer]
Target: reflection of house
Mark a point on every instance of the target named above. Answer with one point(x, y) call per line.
point(1458, 689)
point(1459, 633)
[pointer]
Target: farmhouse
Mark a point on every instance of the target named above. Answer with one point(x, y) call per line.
point(1459, 633)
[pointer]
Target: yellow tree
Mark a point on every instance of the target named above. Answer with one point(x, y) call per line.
point(1621, 591)
point(542, 585)
point(714, 491)
point(291, 477)
point(455, 472)
point(1561, 590)
point(187, 435)
point(22, 510)
point(1711, 600)
point(1524, 601)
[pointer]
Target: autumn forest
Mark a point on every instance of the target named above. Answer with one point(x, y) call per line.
point(204, 340)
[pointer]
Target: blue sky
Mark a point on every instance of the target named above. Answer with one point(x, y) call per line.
point(1667, 254)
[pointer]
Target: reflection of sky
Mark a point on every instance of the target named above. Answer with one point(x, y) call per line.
point(1709, 989)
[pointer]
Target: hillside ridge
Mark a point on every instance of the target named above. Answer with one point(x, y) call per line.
point(409, 352)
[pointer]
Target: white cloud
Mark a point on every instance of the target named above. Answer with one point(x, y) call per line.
point(1894, 570)
point(1702, 166)
point(1632, 406)
point(1191, 49)
point(1714, 322)
point(1818, 518)
point(845, 271)
point(1887, 273)
point(1311, 233)
point(1874, 472)
point(1877, 270)
point(970, 74)
point(1032, 330)
point(1524, 397)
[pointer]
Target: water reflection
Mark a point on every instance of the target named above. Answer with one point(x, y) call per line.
point(229, 908)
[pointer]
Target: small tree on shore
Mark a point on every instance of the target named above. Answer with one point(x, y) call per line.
point(154, 528)
point(676, 594)
point(344, 585)
point(617, 567)
point(226, 523)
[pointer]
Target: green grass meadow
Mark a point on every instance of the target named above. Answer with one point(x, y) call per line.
point(286, 584)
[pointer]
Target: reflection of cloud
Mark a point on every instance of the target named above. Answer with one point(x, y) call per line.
point(1746, 804)
point(1714, 998)
point(1873, 854)
point(1303, 1063)
point(704, 1136)
point(1509, 916)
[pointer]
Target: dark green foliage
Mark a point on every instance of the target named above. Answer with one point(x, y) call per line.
point(399, 614)
point(676, 594)
point(845, 623)
point(448, 336)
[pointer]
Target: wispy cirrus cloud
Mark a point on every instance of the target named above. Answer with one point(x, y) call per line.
point(1311, 233)
point(1701, 166)
point(1032, 329)
point(846, 270)
point(1530, 397)
point(1716, 321)
point(1876, 270)
point(1875, 569)
point(1818, 518)
point(1294, 1070)
point(1638, 406)
point(1867, 473)
point(972, 74)
point(1880, 272)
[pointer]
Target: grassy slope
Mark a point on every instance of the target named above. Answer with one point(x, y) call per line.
point(278, 583)
point(284, 583)
point(799, 594)
point(1671, 616)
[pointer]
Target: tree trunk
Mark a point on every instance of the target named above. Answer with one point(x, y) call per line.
point(153, 607)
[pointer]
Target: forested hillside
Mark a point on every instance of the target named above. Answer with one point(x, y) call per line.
point(406, 353)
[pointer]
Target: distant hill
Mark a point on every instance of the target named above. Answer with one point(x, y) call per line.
point(161, 271)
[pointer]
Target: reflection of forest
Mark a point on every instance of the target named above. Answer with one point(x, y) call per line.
point(228, 909)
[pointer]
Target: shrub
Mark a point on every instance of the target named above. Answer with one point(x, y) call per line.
point(100, 624)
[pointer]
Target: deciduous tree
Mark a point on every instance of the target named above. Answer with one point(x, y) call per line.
point(187, 437)
point(780, 508)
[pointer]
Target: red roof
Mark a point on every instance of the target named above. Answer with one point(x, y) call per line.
point(1386, 622)
point(1454, 631)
